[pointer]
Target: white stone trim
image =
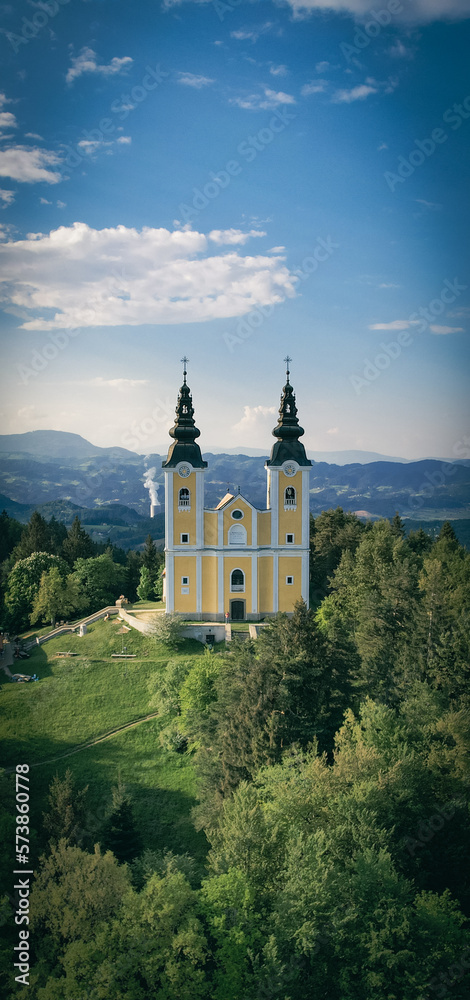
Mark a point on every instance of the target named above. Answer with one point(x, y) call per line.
point(199, 508)
point(306, 508)
point(275, 582)
point(220, 583)
point(199, 583)
point(274, 508)
point(220, 528)
point(170, 582)
point(254, 583)
point(168, 509)
point(305, 588)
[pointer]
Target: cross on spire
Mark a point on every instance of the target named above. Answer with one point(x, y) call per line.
point(287, 361)
point(184, 362)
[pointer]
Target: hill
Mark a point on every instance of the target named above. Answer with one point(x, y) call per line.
point(67, 470)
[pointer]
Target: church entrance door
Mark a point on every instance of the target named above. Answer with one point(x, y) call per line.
point(237, 611)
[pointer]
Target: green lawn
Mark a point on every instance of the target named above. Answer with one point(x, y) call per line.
point(79, 698)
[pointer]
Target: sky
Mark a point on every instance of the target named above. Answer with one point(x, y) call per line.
point(237, 182)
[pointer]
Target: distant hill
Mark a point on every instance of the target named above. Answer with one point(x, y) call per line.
point(56, 445)
point(67, 470)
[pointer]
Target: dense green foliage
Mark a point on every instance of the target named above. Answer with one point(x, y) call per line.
point(332, 766)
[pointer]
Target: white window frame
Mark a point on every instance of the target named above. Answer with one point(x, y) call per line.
point(185, 581)
point(290, 504)
point(290, 538)
point(184, 538)
point(237, 588)
point(289, 581)
point(182, 504)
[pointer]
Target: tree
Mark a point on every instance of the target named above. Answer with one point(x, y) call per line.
point(10, 534)
point(166, 628)
point(99, 580)
point(145, 591)
point(55, 598)
point(65, 819)
point(133, 567)
point(332, 533)
point(24, 583)
point(36, 537)
point(120, 833)
point(78, 544)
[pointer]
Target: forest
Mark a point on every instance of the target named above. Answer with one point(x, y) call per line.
point(332, 774)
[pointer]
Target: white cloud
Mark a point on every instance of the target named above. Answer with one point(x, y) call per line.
point(397, 324)
point(34, 135)
point(78, 276)
point(278, 70)
point(254, 417)
point(400, 51)
point(412, 11)
point(389, 284)
point(432, 205)
point(192, 80)
point(356, 94)
point(7, 120)
point(232, 237)
point(61, 204)
point(314, 87)
point(29, 164)
point(446, 329)
point(86, 62)
point(322, 67)
point(271, 99)
point(383, 145)
point(122, 384)
point(333, 430)
point(251, 34)
point(44, 201)
point(92, 146)
point(7, 197)
point(125, 140)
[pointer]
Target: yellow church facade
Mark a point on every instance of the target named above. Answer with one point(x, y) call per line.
point(236, 562)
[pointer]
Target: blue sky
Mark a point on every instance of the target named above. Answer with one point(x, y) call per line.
point(235, 181)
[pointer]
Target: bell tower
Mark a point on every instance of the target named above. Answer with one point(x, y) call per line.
point(288, 474)
point(184, 507)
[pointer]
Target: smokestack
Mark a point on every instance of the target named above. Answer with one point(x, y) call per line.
point(152, 487)
point(153, 509)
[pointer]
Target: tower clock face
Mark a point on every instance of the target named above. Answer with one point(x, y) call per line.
point(290, 469)
point(184, 471)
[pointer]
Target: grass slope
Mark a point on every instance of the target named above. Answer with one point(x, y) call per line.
point(78, 699)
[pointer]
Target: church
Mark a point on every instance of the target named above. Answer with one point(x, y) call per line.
point(236, 562)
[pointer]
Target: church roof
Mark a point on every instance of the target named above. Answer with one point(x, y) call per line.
point(288, 430)
point(224, 500)
point(184, 432)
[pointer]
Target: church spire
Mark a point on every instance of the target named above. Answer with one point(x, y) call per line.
point(184, 430)
point(288, 430)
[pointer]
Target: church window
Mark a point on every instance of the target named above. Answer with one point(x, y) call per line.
point(290, 498)
point(237, 515)
point(184, 499)
point(185, 581)
point(289, 580)
point(184, 538)
point(237, 581)
point(290, 539)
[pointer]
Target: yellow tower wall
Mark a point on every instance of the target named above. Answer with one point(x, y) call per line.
point(209, 585)
point(265, 584)
point(264, 528)
point(184, 520)
point(290, 521)
point(185, 565)
point(246, 521)
point(289, 593)
point(210, 527)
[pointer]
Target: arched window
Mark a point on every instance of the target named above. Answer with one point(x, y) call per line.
point(237, 581)
point(237, 535)
point(184, 499)
point(290, 498)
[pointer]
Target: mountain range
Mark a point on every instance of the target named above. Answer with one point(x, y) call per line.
point(64, 470)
